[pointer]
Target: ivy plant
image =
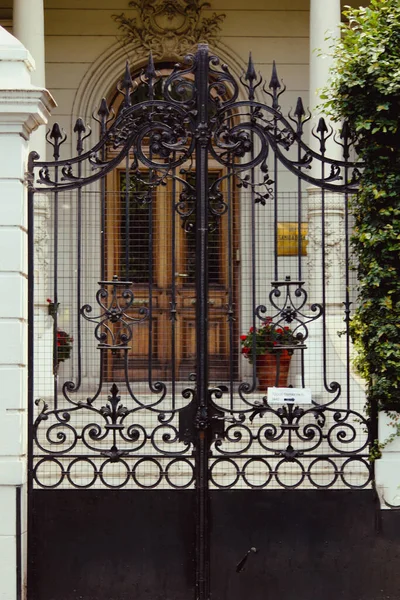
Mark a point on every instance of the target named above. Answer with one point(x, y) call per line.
point(365, 91)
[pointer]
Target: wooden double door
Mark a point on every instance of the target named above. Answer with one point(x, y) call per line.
point(149, 243)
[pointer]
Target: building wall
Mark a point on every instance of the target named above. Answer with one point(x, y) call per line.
point(79, 31)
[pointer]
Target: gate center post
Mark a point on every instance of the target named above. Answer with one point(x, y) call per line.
point(202, 417)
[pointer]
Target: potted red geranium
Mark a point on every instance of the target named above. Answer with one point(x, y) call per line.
point(270, 347)
point(64, 345)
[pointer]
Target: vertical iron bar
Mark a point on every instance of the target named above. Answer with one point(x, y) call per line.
point(253, 261)
point(127, 223)
point(202, 140)
point(299, 215)
point(173, 288)
point(373, 436)
point(55, 284)
point(150, 76)
point(347, 283)
point(299, 248)
point(79, 272)
point(276, 274)
point(323, 267)
point(230, 286)
point(103, 129)
point(18, 543)
point(31, 313)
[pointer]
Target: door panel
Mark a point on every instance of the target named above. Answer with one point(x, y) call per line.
point(151, 212)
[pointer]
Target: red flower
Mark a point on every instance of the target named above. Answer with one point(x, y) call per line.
point(251, 329)
point(245, 350)
point(286, 328)
point(279, 330)
point(243, 337)
point(268, 319)
point(49, 301)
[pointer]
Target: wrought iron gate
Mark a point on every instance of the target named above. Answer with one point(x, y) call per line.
point(170, 261)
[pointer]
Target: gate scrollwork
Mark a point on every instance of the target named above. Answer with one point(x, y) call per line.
point(156, 433)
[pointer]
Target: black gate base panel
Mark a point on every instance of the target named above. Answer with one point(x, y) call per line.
point(311, 545)
point(139, 545)
point(112, 545)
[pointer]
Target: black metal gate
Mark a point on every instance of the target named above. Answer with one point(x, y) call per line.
point(176, 286)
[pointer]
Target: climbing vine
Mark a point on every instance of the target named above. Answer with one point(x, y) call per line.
point(365, 91)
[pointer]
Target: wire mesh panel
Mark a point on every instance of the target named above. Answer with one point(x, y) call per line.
point(110, 370)
point(193, 292)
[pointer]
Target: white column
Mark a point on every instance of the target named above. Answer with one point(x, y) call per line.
point(387, 468)
point(28, 28)
point(22, 108)
point(324, 21)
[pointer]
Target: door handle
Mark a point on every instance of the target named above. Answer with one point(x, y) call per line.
point(181, 275)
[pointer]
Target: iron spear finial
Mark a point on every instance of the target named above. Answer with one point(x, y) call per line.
point(127, 85)
point(150, 76)
point(251, 74)
point(150, 70)
point(274, 84)
point(79, 129)
point(299, 112)
point(322, 128)
point(56, 137)
point(345, 135)
point(103, 114)
point(251, 77)
point(55, 133)
point(103, 111)
point(79, 126)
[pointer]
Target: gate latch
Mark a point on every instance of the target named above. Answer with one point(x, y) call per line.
point(194, 418)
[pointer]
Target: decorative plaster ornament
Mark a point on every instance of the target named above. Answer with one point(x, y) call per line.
point(168, 28)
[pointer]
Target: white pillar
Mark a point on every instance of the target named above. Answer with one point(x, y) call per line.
point(22, 108)
point(324, 21)
point(28, 28)
point(387, 468)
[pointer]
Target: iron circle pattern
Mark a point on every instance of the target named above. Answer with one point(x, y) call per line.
point(147, 463)
point(221, 462)
point(179, 462)
point(44, 462)
point(120, 463)
point(74, 480)
point(251, 462)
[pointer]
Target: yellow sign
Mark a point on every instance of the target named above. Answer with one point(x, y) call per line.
point(288, 239)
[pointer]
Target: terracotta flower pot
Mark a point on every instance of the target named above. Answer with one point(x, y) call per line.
point(267, 370)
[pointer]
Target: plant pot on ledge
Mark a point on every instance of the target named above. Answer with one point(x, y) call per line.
point(267, 367)
point(271, 347)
